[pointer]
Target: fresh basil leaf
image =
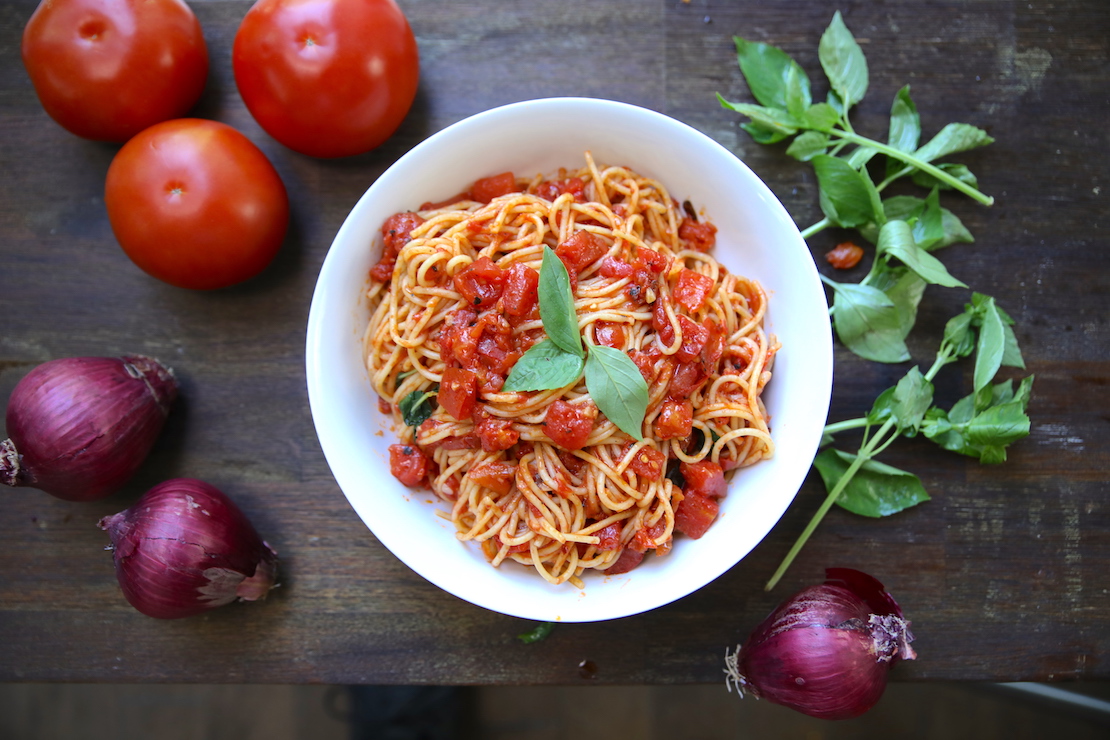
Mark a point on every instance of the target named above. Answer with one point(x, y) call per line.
point(959, 336)
point(896, 240)
point(958, 171)
point(867, 323)
point(905, 127)
point(763, 135)
point(955, 137)
point(797, 91)
point(540, 632)
point(876, 490)
point(416, 407)
point(873, 195)
point(929, 228)
point(560, 320)
point(808, 145)
point(909, 208)
point(820, 116)
point(904, 289)
point(618, 388)
point(986, 433)
point(906, 403)
point(770, 72)
point(860, 156)
point(543, 367)
point(998, 426)
point(843, 62)
point(844, 196)
point(771, 119)
point(992, 341)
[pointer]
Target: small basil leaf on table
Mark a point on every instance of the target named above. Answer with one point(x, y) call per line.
point(543, 367)
point(867, 322)
point(560, 320)
point(618, 388)
point(770, 72)
point(843, 62)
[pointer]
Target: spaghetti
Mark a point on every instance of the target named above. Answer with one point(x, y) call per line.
point(543, 477)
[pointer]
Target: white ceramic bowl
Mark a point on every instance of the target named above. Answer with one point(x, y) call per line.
point(756, 237)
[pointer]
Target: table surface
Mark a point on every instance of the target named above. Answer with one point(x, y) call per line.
point(1004, 573)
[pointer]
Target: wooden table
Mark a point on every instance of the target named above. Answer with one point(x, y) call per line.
point(1005, 573)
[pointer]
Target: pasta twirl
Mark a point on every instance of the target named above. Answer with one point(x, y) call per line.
point(542, 477)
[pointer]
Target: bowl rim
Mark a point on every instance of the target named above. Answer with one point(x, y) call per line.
point(818, 357)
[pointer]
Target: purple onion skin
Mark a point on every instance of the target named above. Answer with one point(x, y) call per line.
point(80, 427)
point(827, 650)
point(184, 548)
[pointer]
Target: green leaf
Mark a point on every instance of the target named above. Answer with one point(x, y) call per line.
point(929, 228)
point(958, 171)
point(845, 198)
point(416, 407)
point(770, 73)
point(867, 323)
point(540, 632)
point(905, 126)
point(992, 341)
point(776, 120)
point(876, 490)
point(986, 433)
point(797, 91)
point(896, 240)
point(560, 320)
point(843, 62)
point(959, 338)
point(955, 137)
point(543, 367)
point(906, 403)
point(904, 289)
point(618, 388)
point(762, 135)
point(808, 145)
point(910, 208)
point(820, 116)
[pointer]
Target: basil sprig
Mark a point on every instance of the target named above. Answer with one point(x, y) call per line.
point(613, 380)
point(416, 407)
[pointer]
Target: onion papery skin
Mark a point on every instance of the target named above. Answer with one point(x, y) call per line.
point(80, 427)
point(185, 548)
point(827, 650)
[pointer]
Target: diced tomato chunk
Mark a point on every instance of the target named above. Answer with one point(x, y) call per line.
point(408, 464)
point(481, 282)
point(552, 189)
point(580, 250)
point(692, 289)
point(458, 338)
point(567, 425)
point(521, 290)
point(706, 478)
point(496, 475)
point(694, 337)
point(688, 378)
point(844, 256)
point(496, 434)
point(488, 188)
point(646, 536)
point(714, 345)
point(610, 537)
point(609, 334)
point(661, 323)
point(699, 234)
point(694, 515)
point(458, 392)
point(396, 233)
point(675, 420)
point(628, 560)
point(648, 462)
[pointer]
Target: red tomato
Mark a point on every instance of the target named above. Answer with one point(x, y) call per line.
point(610, 536)
point(581, 249)
point(327, 78)
point(568, 425)
point(396, 233)
point(481, 282)
point(694, 337)
point(408, 464)
point(700, 236)
point(521, 290)
point(675, 420)
point(628, 560)
point(496, 434)
point(692, 289)
point(649, 463)
point(694, 515)
point(488, 188)
point(495, 475)
point(458, 392)
point(196, 204)
point(706, 478)
point(107, 69)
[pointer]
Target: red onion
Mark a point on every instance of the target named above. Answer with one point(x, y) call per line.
point(185, 548)
point(80, 427)
point(827, 650)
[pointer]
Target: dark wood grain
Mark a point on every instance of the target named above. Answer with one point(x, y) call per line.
point(1004, 573)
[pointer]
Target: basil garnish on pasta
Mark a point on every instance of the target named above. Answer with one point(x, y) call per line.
point(613, 380)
